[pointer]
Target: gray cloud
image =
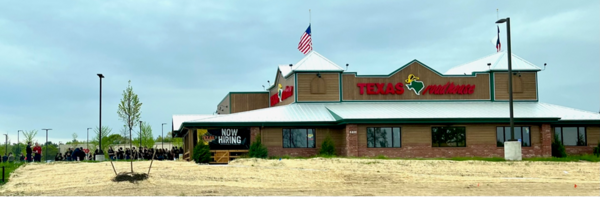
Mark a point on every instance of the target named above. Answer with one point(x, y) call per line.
point(184, 56)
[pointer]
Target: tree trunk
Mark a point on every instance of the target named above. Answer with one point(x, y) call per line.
point(130, 150)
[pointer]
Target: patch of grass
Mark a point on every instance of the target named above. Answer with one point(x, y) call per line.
point(488, 159)
point(326, 156)
point(574, 158)
point(9, 168)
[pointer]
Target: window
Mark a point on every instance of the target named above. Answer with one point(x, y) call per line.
point(521, 133)
point(298, 138)
point(448, 137)
point(571, 136)
point(383, 137)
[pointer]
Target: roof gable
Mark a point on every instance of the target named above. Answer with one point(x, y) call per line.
point(498, 61)
point(313, 61)
point(411, 63)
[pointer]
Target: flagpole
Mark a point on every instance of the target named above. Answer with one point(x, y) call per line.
point(309, 21)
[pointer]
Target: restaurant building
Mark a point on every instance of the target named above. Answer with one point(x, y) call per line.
point(412, 112)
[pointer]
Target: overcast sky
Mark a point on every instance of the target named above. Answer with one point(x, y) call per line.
point(183, 57)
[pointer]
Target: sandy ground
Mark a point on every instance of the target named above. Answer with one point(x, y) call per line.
point(318, 176)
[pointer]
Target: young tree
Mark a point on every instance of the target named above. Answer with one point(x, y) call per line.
point(124, 134)
point(129, 111)
point(146, 135)
point(74, 142)
point(29, 135)
point(178, 142)
point(106, 141)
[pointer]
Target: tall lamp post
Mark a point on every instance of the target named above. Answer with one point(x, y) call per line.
point(510, 86)
point(162, 135)
point(87, 144)
point(46, 149)
point(140, 133)
point(18, 145)
point(100, 118)
point(6, 139)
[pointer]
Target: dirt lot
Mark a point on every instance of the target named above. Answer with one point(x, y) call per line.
point(328, 177)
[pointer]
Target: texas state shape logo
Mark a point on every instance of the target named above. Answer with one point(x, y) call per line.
point(412, 83)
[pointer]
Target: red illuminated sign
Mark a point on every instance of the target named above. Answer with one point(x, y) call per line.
point(285, 93)
point(449, 88)
point(380, 88)
point(398, 88)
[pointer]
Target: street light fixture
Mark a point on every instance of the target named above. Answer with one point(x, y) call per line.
point(6, 139)
point(18, 145)
point(162, 135)
point(87, 144)
point(46, 149)
point(140, 134)
point(100, 118)
point(510, 86)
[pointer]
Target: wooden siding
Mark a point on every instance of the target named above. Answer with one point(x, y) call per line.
point(524, 87)
point(223, 107)
point(248, 101)
point(284, 82)
point(593, 136)
point(332, 88)
point(476, 134)
point(351, 91)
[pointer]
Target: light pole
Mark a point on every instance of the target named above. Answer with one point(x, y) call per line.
point(140, 133)
point(18, 143)
point(100, 118)
point(6, 139)
point(87, 144)
point(510, 86)
point(162, 135)
point(46, 149)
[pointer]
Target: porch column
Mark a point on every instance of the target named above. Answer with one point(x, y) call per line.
point(546, 135)
point(254, 131)
point(351, 140)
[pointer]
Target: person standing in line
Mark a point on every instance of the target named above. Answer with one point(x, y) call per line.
point(111, 153)
point(29, 151)
point(38, 152)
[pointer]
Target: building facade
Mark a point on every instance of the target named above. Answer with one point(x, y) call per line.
point(415, 111)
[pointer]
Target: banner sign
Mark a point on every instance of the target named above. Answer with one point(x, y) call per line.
point(282, 94)
point(225, 138)
point(413, 83)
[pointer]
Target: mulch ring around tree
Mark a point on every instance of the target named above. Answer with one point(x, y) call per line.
point(131, 177)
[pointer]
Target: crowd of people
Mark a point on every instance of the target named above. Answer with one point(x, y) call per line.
point(78, 154)
point(142, 153)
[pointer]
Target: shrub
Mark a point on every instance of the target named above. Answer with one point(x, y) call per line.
point(327, 148)
point(201, 153)
point(597, 150)
point(558, 149)
point(257, 149)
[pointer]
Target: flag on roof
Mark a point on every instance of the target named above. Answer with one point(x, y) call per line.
point(498, 41)
point(305, 44)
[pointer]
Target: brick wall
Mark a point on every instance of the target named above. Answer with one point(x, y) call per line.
point(546, 139)
point(426, 151)
point(254, 131)
point(294, 152)
point(351, 147)
point(579, 150)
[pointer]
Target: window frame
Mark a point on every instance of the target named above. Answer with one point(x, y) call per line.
point(392, 132)
point(314, 132)
point(562, 136)
point(457, 143)
point(504, 137)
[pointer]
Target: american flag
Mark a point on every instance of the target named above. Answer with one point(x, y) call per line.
point(305, 44)
point(498, 41)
